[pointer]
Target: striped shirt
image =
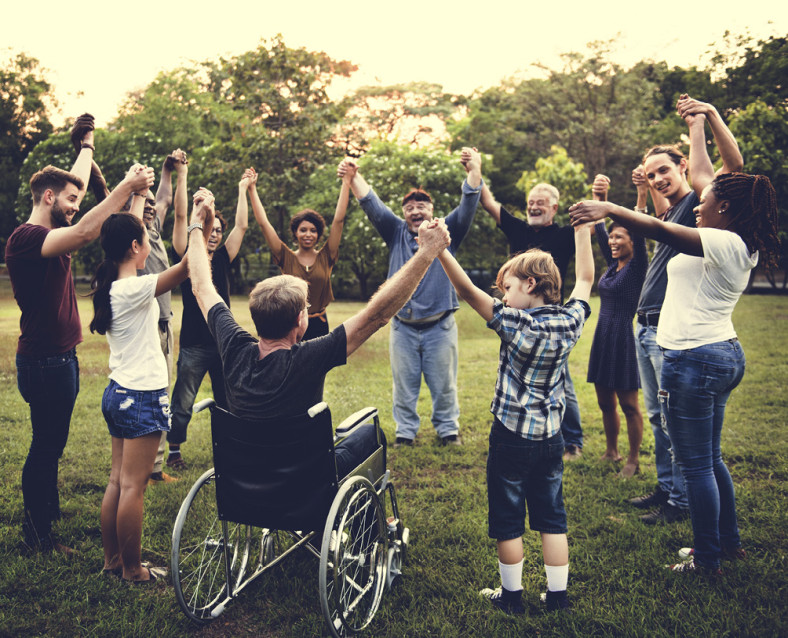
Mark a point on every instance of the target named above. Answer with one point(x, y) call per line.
point(535, 344)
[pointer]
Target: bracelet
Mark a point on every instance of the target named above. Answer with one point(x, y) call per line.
point(90, 146)
point(193, 227)
point(138, 194)
point(643, 210)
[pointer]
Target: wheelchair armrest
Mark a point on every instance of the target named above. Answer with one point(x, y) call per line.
point(355, 419)
point(205, 403)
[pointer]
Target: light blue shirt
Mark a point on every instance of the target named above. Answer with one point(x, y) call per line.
point(435, 294)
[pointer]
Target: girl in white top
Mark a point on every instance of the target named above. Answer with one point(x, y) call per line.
point(135, 403)
point(703, 361)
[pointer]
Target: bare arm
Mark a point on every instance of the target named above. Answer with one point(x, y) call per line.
point(68, 239)
point(584, 263)
point(490, 204)
point(269, 232)
point(179, 239)
point(479, 300)
point(84, 142)
point(164, 192)
point(683, 239)
point(700, 167)
point(198, 263)
point(392, 295)
point(236, 236)
point(732, 160)
point(358, 184)
point(338, 223)
point(173, 276)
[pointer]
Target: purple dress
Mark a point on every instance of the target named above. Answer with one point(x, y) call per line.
point(613, 361)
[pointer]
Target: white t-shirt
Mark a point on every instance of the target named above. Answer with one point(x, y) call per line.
point(702, 291)
point(135, 358)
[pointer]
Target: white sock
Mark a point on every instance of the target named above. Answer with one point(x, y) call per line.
point(557, 577)
point(511, 576)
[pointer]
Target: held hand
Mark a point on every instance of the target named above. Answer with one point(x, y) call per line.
point(587, 211)
point(347, 169)
point(434, 236)
point(600, 187)
point(140, 178)
point(203, 207)
point(249, 178)
point(470, 159)
point(639, 179)
point(180, 161)
point(693, 111)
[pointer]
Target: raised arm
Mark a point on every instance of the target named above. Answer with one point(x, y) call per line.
point(338, 223)
point(682, 238)
point(179, 239)
point(392, 295)
point(490, 204)
point(83, 139)
point(236, 236)
point(584, 263)
point(732, 161)
point(199, 266)
point(479, 300)
point(269, 232)
point(70, 238)
point(358, 184)
point(164, 192)
point(460, 219)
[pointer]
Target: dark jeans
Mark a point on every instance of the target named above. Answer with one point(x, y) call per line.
point(50, 386)
point(571, 429)
point(696, 384)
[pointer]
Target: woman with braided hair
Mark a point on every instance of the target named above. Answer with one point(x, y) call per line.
point(702, 358)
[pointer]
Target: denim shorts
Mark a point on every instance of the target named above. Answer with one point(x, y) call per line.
point(134, 413)
point(524, 471)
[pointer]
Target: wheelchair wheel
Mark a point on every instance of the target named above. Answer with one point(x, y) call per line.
point(273, 543)
point(197, 563)
point(353, 558)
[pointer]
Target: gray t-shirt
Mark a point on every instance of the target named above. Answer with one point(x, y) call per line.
point(285, 382)
point(158, 262)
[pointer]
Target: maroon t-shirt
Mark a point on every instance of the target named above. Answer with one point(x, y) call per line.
point(44, 291)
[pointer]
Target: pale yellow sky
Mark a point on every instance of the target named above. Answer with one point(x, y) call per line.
point(97, 51)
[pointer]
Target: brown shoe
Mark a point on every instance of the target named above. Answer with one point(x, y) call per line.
point(160, 477)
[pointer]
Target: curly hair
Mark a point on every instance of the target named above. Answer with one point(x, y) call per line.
point(753, 208)
point(311, 216)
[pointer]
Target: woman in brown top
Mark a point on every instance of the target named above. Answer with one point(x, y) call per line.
point(307, 262)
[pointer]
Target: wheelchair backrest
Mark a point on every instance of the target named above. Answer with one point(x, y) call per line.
point(274, 473)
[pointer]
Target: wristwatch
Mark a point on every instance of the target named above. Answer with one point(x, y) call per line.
point(193, 227)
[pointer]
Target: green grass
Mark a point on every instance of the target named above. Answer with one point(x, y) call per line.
point(617, 583)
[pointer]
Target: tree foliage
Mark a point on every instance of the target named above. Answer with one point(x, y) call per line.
point(26, 102)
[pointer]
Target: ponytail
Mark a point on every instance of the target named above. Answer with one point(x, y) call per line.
point(117, 233)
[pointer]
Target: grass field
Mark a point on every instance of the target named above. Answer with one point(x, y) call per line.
point(617, 583)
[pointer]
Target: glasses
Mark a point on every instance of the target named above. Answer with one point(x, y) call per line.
point(217, 231)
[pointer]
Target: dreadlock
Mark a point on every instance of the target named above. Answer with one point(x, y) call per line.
point(753, 206)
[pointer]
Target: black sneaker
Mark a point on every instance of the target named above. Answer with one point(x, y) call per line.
point(451, 439)
point(401, 440)
point(655, 499)
point(509, 602)
point(689, 566)
point(555, 600)
point(666, 514)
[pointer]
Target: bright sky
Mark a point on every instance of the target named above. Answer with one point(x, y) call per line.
point(96, 51)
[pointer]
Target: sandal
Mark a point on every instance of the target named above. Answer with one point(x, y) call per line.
point(155, 574)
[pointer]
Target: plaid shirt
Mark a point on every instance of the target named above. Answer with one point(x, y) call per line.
point(535, 344)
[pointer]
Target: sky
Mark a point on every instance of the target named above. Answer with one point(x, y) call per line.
point(94, 52)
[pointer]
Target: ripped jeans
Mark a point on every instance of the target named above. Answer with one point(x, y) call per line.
point(134, 413)
point(695, 387)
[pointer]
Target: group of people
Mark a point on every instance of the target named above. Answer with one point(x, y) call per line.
point(685, 355)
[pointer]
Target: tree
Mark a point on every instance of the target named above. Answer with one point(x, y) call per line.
point(26, 101)
point(762, 133)
point(414, 113)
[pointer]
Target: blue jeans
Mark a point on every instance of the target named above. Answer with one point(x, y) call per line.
point(571, 429)
point(193, 363)
point(696, 384)
point(649, 356)
point(524, 472)
point(131, 414)
point(50, 386)
point(432, 352)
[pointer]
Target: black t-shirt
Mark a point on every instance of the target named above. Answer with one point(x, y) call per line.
point(194, 331)
point(285, 382)
point(557, 240)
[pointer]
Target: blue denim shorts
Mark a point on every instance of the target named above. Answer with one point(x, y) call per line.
point(524, 472)
point(134, 413)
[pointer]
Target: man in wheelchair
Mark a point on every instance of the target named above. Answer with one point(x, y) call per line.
point(277, 375)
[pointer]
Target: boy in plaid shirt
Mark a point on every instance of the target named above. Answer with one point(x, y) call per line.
point(525, 465)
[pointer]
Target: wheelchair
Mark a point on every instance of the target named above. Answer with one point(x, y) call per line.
point(274, 490)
